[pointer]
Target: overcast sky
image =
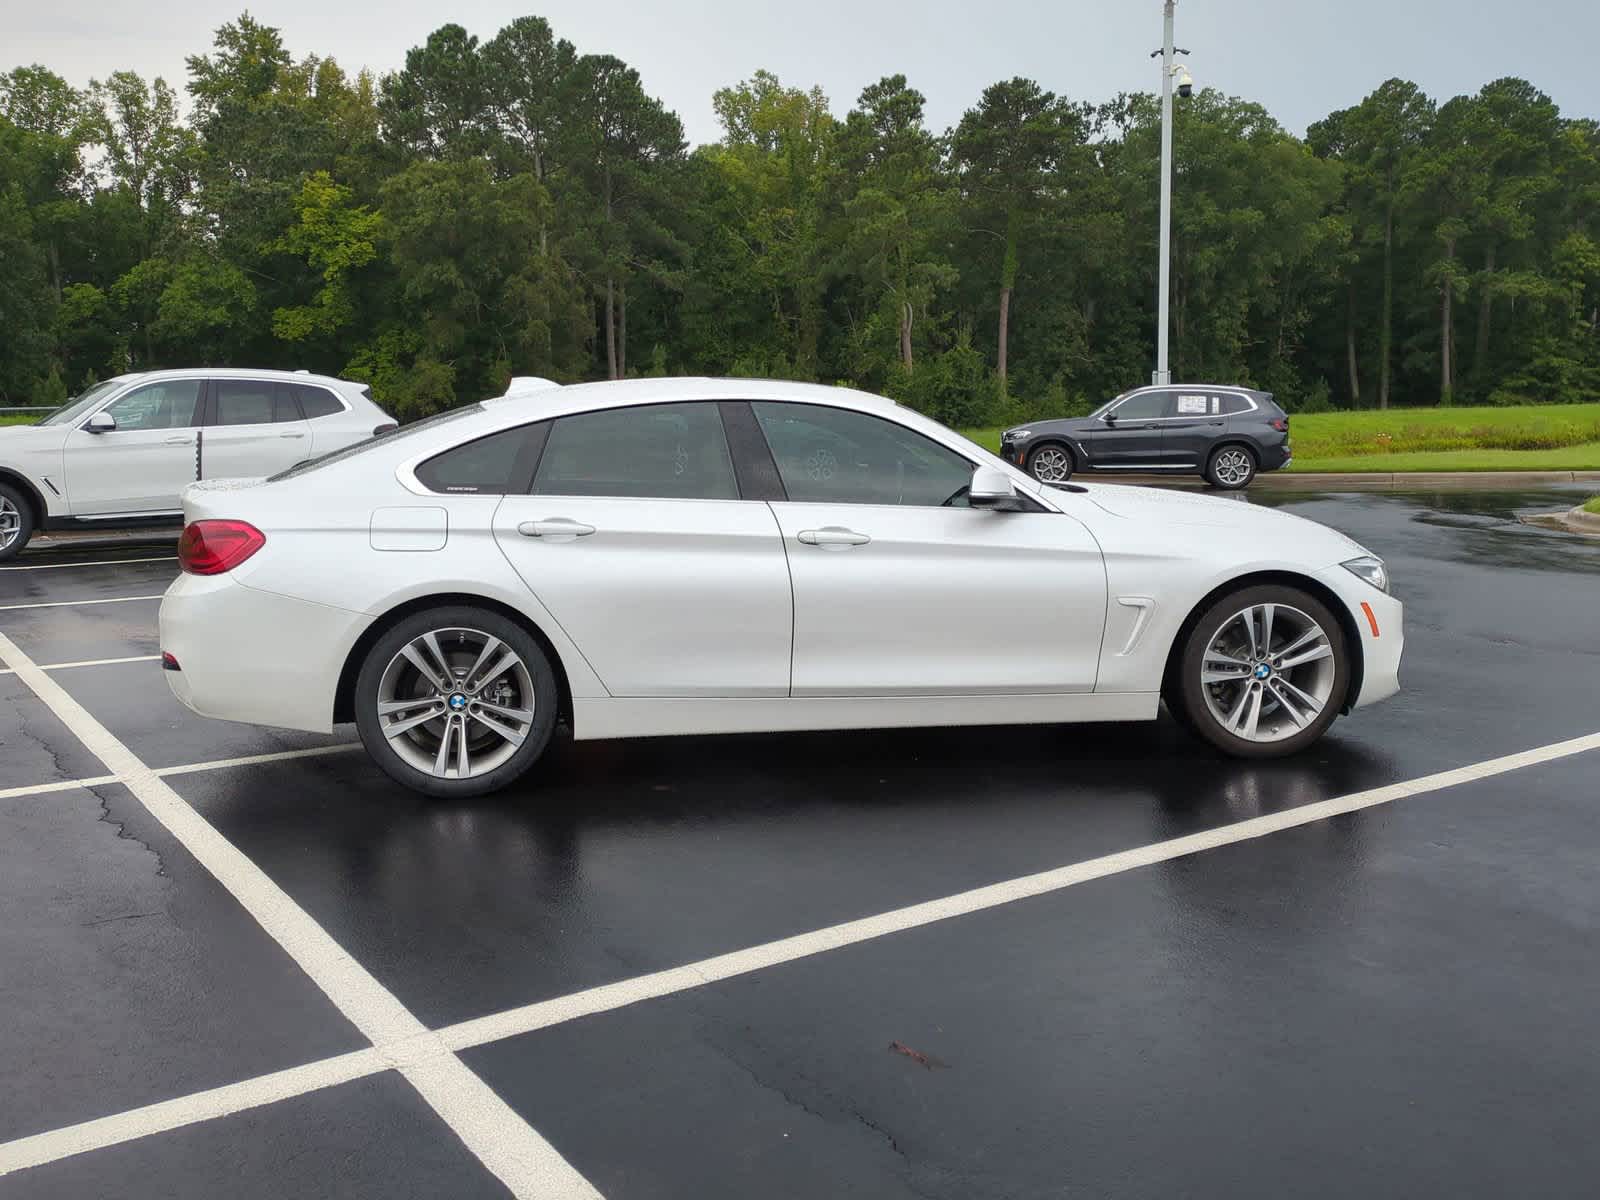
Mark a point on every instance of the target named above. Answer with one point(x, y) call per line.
point(1301, 58)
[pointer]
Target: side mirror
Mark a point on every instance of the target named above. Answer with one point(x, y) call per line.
point(993, 489)
point(1110, 418)
point(101, 422)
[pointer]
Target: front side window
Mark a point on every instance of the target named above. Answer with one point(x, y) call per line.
point(242, 402)
point(834, 455)
point(670, 451)
point(484, 466)
point(1146, 406)
point(169, 404)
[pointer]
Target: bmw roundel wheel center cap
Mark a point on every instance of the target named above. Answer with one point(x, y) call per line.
point(457, 702)
point(1262, 672)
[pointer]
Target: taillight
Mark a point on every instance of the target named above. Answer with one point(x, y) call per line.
point(1281, 424)
point(213, 547)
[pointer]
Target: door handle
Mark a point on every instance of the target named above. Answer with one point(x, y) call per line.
point(833, 537)
point(291, 435)
point(178, 441)
point(555, 529)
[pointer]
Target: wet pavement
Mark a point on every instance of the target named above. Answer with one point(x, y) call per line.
point(1395, 1001)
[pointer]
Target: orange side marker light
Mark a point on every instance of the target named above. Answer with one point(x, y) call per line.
point(1371, 617)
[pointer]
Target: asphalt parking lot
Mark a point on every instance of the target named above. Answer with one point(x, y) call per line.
point(1033, 962)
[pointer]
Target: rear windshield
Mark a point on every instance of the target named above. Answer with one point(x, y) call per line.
point(382, 439)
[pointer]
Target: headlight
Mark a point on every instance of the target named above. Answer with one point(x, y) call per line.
point(1016, 435)
point(1370, 568)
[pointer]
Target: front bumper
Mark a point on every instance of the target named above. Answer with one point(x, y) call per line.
point(253, 656)
point(1380, 627)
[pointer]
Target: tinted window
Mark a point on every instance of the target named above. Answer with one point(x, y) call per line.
point(241, 402)
point(283, 406)
point(169, 404)
point(482, 466)
point(377, 442)
point(675, 451)
point(1235, 404)
point(318, 402)
point(1143, 407)
point(834, 455)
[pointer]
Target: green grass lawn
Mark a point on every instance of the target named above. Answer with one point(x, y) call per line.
point(24, 419)
point(1556, 437)
point(1593, 505)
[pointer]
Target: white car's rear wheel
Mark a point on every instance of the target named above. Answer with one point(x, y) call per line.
point(1263, 672)
point(16, 522)
point(456, 701)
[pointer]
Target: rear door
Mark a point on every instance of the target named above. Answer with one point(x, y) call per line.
point(1195, 423)
point(637, 539)
point(900, 589)
point(253, 428)
point(329, 421)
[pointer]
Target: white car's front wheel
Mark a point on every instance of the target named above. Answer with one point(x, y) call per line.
point(456, 701)
point(16, 521)
point(1263, 672)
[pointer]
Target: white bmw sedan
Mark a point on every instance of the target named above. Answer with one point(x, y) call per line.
point(692, 556)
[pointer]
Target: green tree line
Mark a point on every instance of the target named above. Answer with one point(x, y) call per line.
point(518, 206)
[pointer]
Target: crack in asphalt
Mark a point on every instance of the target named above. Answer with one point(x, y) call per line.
point(120, 828)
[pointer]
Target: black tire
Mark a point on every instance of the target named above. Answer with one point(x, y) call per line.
point(1231, 467)
point(546, 698)
point(1046, 453)
point(13, 500)
point(1186, 694)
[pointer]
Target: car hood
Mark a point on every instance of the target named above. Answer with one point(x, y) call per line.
point(1063, 425)
point(17, 438)
point(1166, 508)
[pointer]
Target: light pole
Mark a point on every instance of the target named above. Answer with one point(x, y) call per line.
point(1163, 373)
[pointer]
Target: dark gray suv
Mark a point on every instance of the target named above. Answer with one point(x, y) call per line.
point(1226, 434)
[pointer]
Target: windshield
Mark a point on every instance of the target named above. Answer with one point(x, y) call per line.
point(73, 409)
point(1099, 412)
point(381, 439)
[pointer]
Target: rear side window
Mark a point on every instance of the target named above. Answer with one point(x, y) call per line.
point(485, 466)
point(1235, 404)
point(318, 402)
point(671, 451)
point(283, 406)
point(242, 402)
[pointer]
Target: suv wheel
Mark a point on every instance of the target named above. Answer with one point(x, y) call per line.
point(1263, 672)
point(1050, 463)
point(455, 702)
point(16, 522)
point(1230, 468)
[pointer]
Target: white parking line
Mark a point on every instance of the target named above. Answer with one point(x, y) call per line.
point(90, 662)
point(215, 764)
point(99, 562)
point(74, 603)
point(508, 1146)
point(425, 1049)
point(63, 785)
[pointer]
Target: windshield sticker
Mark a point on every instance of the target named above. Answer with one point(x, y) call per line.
point(1192, 404)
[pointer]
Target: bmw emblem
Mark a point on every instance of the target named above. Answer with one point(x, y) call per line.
point(457, 702)
point(1262, 671)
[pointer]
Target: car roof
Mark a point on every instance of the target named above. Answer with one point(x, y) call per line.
point(619, 392)
point(231, 373)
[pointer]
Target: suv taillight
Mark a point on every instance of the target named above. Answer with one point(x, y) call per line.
point(1281, 424)
point(214, 547)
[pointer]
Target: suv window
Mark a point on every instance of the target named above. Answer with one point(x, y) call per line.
point(241, 402)
point(1146, 406)
point(483, 466)
point(673, 451)
point(284, 407)
point(318, 402)
point(834, 455)
point(1235, 404)
point(169, 404)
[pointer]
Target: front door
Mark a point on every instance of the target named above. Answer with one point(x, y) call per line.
point(1129, 436)
point(1196, 423)
point(142, 464)
point(253, 428)
point(637, 542)
point(902, 590)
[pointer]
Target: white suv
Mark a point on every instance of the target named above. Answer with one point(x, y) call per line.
point(122, 452)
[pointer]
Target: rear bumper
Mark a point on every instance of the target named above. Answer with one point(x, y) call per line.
point(254, 656)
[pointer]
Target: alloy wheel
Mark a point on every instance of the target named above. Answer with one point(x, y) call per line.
point(1051, 464)
point(1268, 672)
point(10, 523)
point(455, 703)
point(1233, 467)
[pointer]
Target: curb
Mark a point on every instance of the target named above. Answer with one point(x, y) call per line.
point(1370, 481)
point(1583, 522)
